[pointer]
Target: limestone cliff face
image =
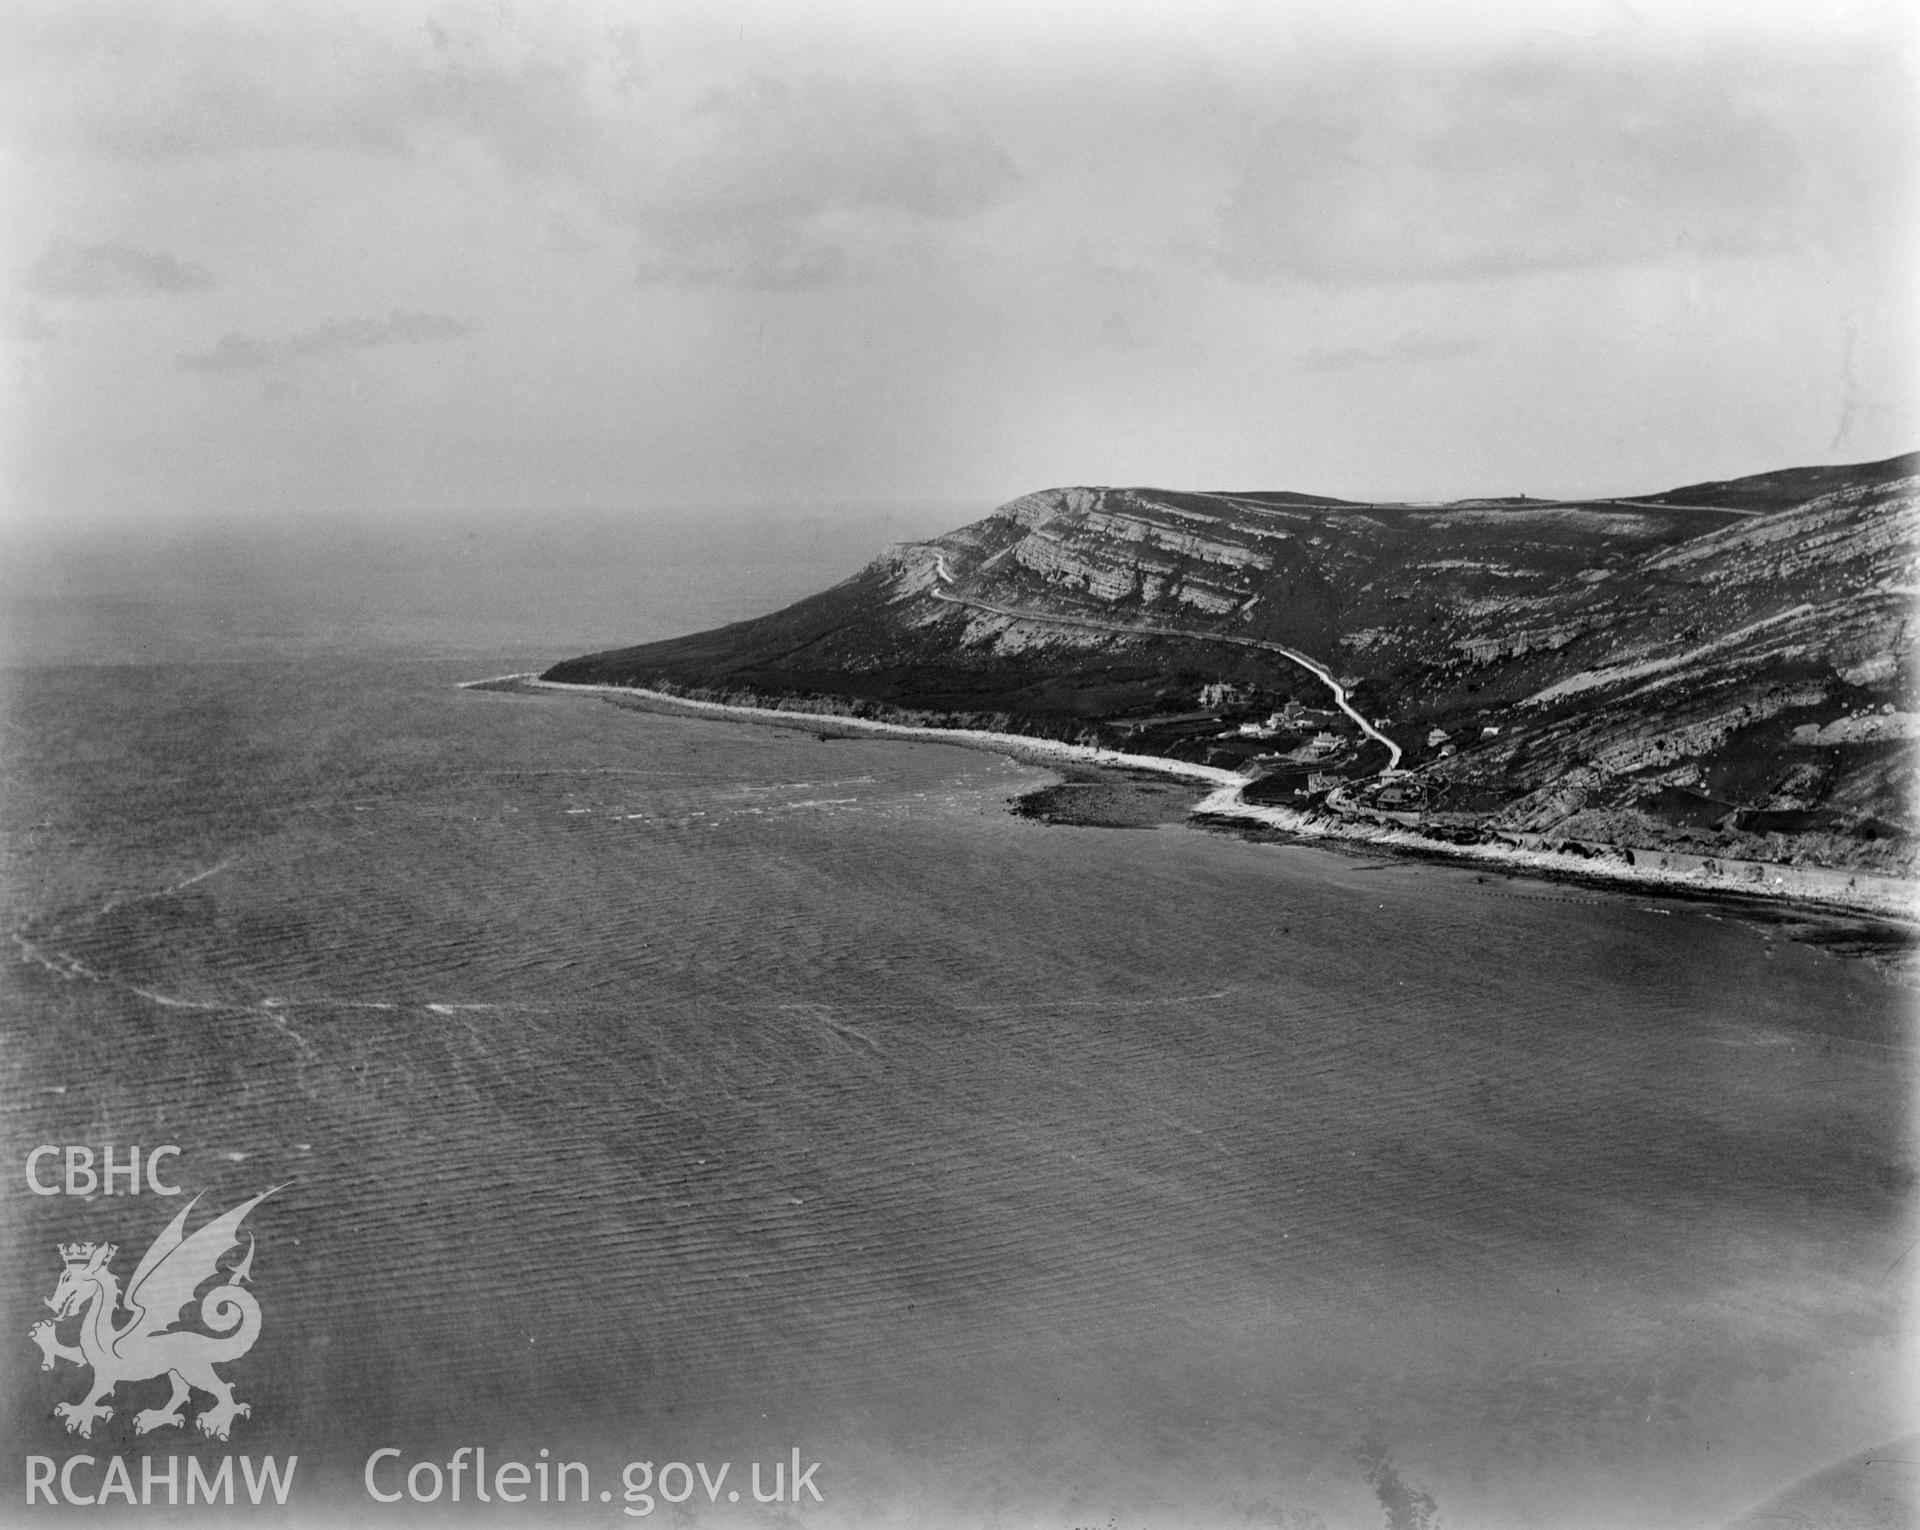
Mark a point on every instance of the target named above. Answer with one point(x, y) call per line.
point(1727, 668)
point(1750, 688)
point(1115, 548)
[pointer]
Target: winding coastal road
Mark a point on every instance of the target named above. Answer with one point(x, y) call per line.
point(1311, 665)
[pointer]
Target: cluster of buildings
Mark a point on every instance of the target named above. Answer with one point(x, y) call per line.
point(1317, 743)
point(1293, 718)
point(1439, 738)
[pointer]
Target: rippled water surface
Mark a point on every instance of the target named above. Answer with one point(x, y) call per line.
point(649, 1087)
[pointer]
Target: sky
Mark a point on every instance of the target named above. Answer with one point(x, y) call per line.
point(276, 261)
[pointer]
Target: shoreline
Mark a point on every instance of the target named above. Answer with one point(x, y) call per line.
point(1810, 889)
point(1015, 744)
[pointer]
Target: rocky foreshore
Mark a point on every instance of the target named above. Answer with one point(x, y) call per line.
point(1338, 821)
point(1718, 684)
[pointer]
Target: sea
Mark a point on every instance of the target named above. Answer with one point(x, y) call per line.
point(659, 1094)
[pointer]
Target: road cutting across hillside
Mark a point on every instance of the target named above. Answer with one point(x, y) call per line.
point(1311, 665)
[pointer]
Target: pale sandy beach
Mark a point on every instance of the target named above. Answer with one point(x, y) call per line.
point(1318, 926)
point(657, 1088)
point(1821, 887)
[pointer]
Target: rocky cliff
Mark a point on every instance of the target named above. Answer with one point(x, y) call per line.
point(1723, 669)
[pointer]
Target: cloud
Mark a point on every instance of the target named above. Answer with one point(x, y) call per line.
point(69, 269)
point(1407, 349)
point(146, 81)
point(236, 352)
point(798, 181)
point(790, 166)
point(25, 321)
point(1394, 169)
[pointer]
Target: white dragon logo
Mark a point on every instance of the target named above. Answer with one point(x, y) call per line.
point(147, 1344)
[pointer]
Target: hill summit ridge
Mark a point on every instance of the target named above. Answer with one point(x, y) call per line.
point(1727, 667)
